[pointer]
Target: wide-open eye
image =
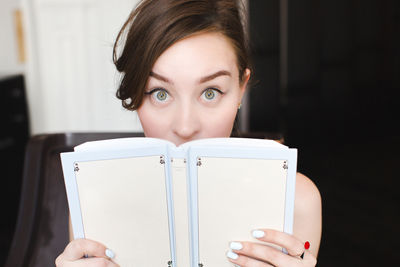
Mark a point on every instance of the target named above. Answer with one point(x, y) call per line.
point(210, 94)
point(159, 94)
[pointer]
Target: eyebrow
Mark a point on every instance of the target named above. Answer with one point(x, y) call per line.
point(214, 75)
point(201, 80)
point(159, 77)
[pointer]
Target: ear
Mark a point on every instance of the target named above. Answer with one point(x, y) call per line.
point(245, 80)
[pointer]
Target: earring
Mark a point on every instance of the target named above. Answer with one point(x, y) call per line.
point(240, 105)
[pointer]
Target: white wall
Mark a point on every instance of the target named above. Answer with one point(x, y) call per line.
point(71, 81)
point(8, 39)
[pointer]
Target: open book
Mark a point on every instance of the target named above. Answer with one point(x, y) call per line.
point(156, 204)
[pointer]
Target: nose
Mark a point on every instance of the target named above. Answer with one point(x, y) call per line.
point(186, 122)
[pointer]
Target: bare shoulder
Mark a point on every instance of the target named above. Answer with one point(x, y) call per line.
point(308, 212)
point(307, 194)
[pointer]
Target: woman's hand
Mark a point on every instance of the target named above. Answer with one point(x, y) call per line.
point(84, 252)
point(250, 254)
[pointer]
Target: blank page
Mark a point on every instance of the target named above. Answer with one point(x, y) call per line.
point(124, 206)
point(236, 196)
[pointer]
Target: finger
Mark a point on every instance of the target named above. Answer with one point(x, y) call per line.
point(94, 262)
point(80, 248)
point(263, 253)
point(293, 245)
point(242, 260)
point(309, 259)
point(90, 262)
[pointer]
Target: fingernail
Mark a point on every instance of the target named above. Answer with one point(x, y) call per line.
point(110, 253)
point(258, 233)
point(236, 245)
point(232, 255)
point(236, 265)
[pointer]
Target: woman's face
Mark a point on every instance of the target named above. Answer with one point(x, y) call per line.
point(193, 91)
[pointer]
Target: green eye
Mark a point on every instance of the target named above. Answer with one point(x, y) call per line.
point(209, 94)
point(161, 95)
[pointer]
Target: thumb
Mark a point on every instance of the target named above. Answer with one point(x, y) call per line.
point(80, 248)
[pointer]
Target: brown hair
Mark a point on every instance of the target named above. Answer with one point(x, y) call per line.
point(155, 25)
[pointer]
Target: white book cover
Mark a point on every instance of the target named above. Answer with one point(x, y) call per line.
point(155, 204)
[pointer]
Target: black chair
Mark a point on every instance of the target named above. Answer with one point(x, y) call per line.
point(41, 233)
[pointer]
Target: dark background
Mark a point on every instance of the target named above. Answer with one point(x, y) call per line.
point(14, 136)
point(337, 103)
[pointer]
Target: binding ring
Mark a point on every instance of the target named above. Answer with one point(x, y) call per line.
point(76, 167)
point(285, 165)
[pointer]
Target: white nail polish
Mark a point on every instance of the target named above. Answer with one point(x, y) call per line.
point(258, 233)
point(110, 253)
point(232, 255)
point(236, 245)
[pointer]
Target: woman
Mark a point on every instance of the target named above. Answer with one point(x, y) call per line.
point(184, 69)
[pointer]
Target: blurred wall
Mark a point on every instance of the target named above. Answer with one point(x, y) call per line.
point(70, 78)
point(8, 43)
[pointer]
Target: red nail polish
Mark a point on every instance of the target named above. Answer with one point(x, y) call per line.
point(307, 245)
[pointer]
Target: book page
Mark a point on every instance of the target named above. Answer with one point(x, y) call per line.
point(123, 204)
point(236, 196)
